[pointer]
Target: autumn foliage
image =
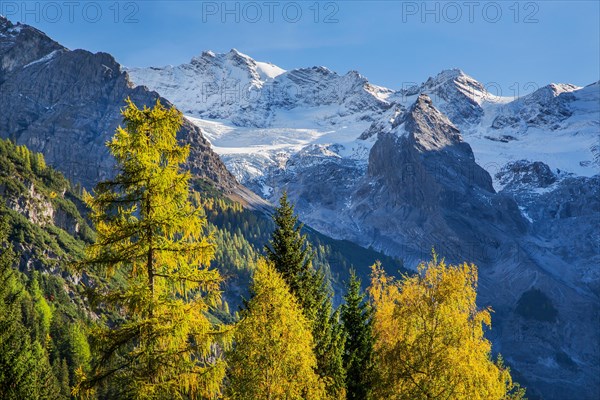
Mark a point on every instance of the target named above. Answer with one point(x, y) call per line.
point(430, 340)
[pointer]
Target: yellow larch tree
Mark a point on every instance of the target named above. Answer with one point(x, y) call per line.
point(429, 337)
point(272, 357)
point(157, 341)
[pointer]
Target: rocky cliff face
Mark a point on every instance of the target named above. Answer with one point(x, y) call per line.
point(44, 214)
point(564, 211)
point(66, 104)
point(421, 184)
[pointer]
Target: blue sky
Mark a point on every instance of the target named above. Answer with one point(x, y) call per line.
point(504, 43)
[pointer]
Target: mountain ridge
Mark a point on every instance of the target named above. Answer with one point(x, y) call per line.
point(481, 116)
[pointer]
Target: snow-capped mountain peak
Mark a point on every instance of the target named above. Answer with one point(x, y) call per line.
point(233, 64)
point(447, 76)
point(558, 88)
point(14, 49)
point(268, 70)
point(455, 93)
point(449, 84)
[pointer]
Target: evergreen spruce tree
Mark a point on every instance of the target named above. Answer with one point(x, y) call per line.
point(291, 255)
point(47, 386)
point(273, 354)
point(358, 355)
point(152, 251)
point(63, 377)
point(329, 349)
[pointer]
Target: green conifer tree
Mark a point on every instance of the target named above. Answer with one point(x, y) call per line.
point(291, 255)
point(358, 357)
point(62, 369)
point(329, 349)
